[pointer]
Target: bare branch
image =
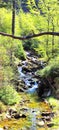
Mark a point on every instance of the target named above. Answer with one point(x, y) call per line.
point(29, 36)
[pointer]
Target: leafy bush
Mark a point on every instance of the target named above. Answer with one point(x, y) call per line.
point(19, 51)
point(9, 95)
point(5, 20)
point(4, 58)
point(52, 69)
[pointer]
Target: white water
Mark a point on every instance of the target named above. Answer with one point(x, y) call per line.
point(33, 89)
point(20, 72)
point(27, 78)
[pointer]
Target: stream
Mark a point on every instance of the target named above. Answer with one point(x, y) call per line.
point(31, 113)
point(28, 76)
point(31, 84)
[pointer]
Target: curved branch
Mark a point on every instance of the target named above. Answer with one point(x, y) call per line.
point(29, 36)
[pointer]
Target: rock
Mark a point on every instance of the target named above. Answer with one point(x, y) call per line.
point(24, 109)
point(40, 123)
point(12, 111)
point(26, 68)
point(44, 88)
point(22, 116)
point(19, 64)
point(8, 116)
point(46, 93)
point(1, 129)
point(47, 118)
point(5, 127)
point(50, 124)
point(20, 89)
point(47, 113)
point(16, 116)
point(34, 60)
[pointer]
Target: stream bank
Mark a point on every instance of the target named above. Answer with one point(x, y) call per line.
point(32, 112)
point(29, 81)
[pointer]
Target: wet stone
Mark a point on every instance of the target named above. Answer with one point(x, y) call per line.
point(40, 123)
point(24, 109)
point(50, 124)
point(5, 127)
point(46, 113)
point(18, 116)
point(47, 118)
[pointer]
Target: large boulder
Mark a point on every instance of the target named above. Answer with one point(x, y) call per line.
point(44, 89)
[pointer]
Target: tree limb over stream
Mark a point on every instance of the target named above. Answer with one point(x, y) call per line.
point(29, 36)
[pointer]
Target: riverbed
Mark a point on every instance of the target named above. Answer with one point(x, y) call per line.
point(32, 112)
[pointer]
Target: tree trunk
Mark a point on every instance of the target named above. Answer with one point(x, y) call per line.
point(47, 42)
point(13, 18)
point(53, 41)
point(13, 30)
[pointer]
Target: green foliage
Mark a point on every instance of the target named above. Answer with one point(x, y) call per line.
point(8, 50)
point(8, 74)
point(7, 71)
point(19, 51)
point(41, 16)
point(31, 23)
point(53, 101)
point(26, 23)
point(5, 20)
point(52, 69)
point(9, 95)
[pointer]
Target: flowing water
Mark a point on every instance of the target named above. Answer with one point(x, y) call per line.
point(30, 105)
point(31, 84)
point(29, 81)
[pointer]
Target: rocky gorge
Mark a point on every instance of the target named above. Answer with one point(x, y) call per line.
point(29, 80)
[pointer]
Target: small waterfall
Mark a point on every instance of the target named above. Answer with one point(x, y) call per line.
point(33, 89)
point(20, 71)
point(28, 79)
